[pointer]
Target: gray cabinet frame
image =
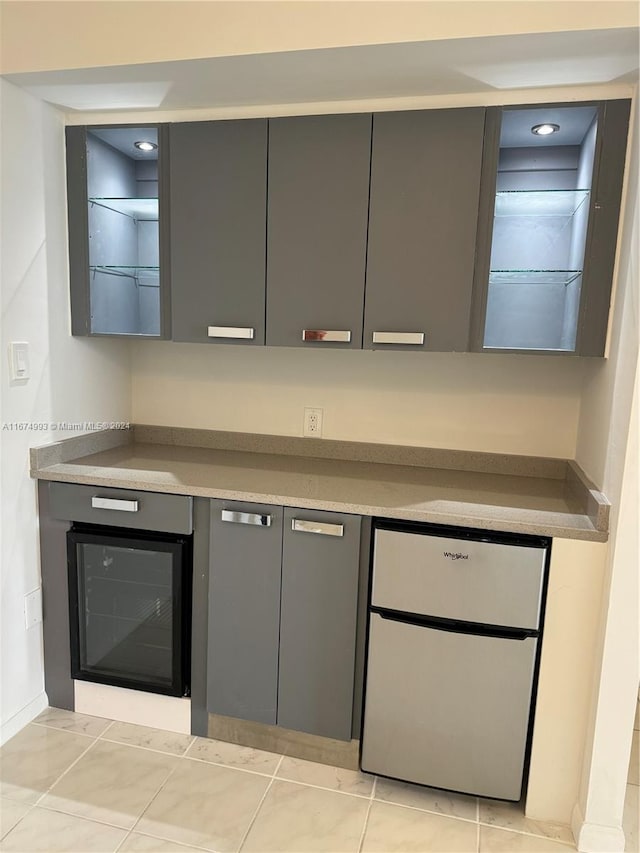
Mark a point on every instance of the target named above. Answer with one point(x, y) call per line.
point(425, 185)
point(78, 220)
point(318, 620)
point(318, 203)
point(601, 242)
point(218, 230)
point(244, 611)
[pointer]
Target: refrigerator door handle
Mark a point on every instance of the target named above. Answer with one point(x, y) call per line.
point(456, 627)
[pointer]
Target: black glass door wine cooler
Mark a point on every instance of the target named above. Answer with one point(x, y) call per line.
point(129, 601)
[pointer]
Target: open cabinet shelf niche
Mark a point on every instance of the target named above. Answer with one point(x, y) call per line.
point(123, 224)
point(541, 214)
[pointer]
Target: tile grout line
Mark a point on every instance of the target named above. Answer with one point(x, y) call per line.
point(126, 837)
point(257, 811)
point(102, 734)
point(528, 834)
point(275, 772)
point(428, 811)
point(323, 788)
point(146, 748)
point(366, 817)
point(157, 793)
point(64, 773)
point(36, 803)
point(186, 845)
point(60, 729)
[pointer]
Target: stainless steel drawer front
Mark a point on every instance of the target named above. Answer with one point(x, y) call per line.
point(483, 582)
point(114, 504)
point(241, 332)
point(319, 527)
point(96, 505)
point(402, 338)
point(447, 710)
point(246, 518)
point(327, 335)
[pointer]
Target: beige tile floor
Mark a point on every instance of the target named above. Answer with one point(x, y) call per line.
point(76, 784)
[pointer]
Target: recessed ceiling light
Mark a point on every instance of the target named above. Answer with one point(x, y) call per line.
point(143, 145)
point(545, 129)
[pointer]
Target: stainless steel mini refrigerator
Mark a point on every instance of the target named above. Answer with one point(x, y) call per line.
point(454, 629)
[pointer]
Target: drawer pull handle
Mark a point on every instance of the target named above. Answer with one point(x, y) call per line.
point(327, 335)
point(246, 332)
point(246, 518)
point(114, 503)
point(406, 338)
point(320, 527)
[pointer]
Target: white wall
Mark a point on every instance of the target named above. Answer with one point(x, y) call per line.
point(500, 403)
point(71, 379)
point(607, 448)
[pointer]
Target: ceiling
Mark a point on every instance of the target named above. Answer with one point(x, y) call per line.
point(450, 66)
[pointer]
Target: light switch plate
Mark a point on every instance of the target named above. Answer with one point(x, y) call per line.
point(19, 368)
point(33, 608)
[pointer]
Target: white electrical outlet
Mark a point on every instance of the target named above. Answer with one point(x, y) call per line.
point(33, 608)
point(312, 423)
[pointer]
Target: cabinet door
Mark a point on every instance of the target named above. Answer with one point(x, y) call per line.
point(425, 183)
point(318, 622)
point(317, 227)
point(244, 610)
point(218, 231)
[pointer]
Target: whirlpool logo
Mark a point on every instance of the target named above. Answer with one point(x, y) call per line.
point(456, 556)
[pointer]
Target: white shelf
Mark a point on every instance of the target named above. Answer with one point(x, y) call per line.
point(520, 277)
point(143, 276)
point(540, 202)
point(145, 209)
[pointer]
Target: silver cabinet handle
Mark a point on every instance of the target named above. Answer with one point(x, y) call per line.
point(114, 503)
point(320, 527)
point(246, 332)
point(398, 338)
point(246, 518)
point(327, 335)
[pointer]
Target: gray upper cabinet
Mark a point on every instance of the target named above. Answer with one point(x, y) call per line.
point(318, 622)
point(550, 203)
point(425, 185)
point(244, 610)
point(218, 173)
point(317, 230)
point(118, 218)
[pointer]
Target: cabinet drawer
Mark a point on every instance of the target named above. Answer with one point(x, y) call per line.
point(121, 507)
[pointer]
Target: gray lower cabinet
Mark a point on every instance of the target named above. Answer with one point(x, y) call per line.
point(318, 622)
point(317, 230)
point(218, 174)
point(283, 600)
point(244, 610)
point(425, 185)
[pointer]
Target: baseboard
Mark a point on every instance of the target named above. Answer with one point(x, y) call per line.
point(323, 750)
point(23, 717)
point(170, 713)
point(594, 837)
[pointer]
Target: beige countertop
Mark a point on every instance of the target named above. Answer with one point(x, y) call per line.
point(562, 503)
